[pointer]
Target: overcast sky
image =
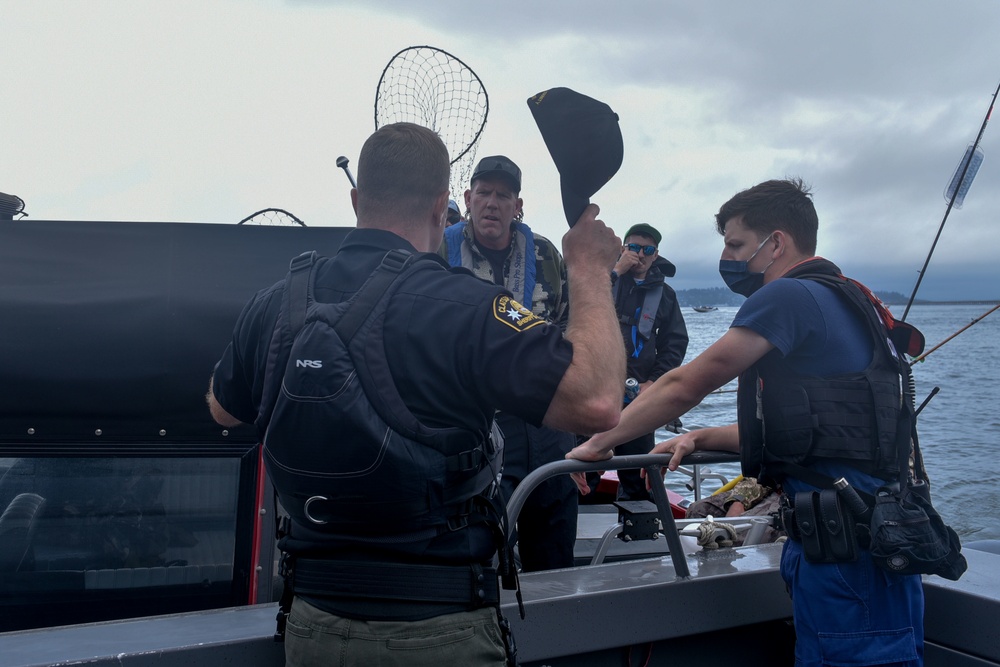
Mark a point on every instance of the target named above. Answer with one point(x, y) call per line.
point(209, 110)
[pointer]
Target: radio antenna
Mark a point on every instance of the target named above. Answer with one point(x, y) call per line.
point(956, 191)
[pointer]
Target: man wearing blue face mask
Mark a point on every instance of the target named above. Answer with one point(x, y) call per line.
point(819, 399)
point(737, 274)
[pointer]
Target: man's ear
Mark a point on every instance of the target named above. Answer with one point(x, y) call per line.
point(440, 210)
point(781, 240)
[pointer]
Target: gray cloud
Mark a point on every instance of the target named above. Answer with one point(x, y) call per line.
point(872, 103)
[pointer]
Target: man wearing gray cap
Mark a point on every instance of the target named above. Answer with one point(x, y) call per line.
point(496, 245)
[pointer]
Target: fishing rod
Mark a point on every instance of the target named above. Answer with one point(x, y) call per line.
point(934, 392)
point(974, 321)
point(958, 187)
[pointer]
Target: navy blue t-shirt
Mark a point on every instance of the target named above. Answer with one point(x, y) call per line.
point(815, 332)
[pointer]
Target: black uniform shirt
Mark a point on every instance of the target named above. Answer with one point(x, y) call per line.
point(458, 347)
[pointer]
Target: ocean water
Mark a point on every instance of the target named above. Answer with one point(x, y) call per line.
point(959, 429)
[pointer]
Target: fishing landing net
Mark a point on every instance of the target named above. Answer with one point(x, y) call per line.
point(272, 216)
point(430, 87)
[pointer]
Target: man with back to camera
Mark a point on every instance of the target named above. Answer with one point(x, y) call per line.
point(653, 330)
point(810, 348)
point(497, 246)
point(401, 573)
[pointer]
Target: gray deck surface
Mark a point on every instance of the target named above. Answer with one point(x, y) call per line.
point(568, 612)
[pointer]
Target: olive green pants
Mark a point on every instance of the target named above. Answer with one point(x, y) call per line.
point(314, 638)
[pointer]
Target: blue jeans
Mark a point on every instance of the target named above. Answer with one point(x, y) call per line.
point(853, 614)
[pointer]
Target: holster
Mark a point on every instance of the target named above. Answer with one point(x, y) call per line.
point(825, 527)
point(785, 518)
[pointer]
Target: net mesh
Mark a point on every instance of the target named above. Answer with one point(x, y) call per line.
point(431, 87)
point(272, 216)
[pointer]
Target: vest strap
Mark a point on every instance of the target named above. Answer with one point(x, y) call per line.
point(393, 264)
point(299, 292)
point(641, 323)
point(650, 304)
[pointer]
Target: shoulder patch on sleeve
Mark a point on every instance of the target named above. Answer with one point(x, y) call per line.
point(513, 314)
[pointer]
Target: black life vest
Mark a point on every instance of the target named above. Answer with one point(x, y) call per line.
point(786, 417)
point(345, 454)
point(642, 321)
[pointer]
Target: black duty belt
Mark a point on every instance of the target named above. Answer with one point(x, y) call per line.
point(468, 584)
point(827, 529)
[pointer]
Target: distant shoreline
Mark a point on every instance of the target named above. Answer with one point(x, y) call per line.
point(717, 296)
point(921, 302)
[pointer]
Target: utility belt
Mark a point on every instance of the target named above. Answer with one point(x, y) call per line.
point(472, 585)
point(830, 528)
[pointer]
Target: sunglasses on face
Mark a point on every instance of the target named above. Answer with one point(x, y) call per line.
point(646, 249)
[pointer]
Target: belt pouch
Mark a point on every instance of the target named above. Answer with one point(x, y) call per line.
point(806, 523)
point(837, 528)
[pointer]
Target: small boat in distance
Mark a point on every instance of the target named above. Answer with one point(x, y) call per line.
point(704, 309)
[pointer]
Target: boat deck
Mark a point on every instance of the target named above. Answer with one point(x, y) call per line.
point(580, 616)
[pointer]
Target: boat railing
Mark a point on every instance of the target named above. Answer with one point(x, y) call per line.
point(651, 463)
point(696, 472)
point(699, 476)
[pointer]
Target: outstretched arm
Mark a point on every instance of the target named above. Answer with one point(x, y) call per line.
point(589, 396)
point(717, 438)
point(679, 390)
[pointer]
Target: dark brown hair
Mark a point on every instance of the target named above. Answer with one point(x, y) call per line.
point(786, 205)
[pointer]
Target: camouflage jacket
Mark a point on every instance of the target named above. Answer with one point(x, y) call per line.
point(549, 298)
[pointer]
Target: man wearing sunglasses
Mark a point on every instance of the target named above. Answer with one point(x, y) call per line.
point(653, 328)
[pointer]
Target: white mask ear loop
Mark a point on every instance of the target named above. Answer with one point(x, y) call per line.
point(769, 237)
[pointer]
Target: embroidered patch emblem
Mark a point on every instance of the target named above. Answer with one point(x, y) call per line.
point(513, 314)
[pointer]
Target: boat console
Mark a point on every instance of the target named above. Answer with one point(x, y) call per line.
point(119, 496)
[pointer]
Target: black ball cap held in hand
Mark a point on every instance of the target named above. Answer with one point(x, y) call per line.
point(584, 140)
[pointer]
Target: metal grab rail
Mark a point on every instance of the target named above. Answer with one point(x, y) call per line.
point(652, 463)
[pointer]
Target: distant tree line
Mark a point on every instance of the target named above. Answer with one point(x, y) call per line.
point(895, 298)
